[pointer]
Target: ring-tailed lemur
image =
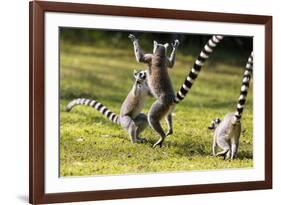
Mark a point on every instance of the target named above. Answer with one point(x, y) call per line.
point(227, 131)
point(160, 83)
point(130, 118)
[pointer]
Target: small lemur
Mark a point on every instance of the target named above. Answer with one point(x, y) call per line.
point(227, 131)
point(130, 117)
point(160, 84)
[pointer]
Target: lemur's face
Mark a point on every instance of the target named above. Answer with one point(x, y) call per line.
point(214, 123)
point(160, 49)
point(140, 76)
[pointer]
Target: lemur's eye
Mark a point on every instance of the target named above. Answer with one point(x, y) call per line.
point(217, 120)
point(143, 75)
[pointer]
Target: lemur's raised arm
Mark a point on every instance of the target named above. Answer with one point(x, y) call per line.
point(140, 55)
point(172, 59)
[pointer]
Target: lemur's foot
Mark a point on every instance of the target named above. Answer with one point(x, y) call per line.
point(219, 155)
point(176, 43)
point(141, 140)
point(134, 140)
point(224, 155)
point(158, 143)
point(132, 37)
point(170, 132)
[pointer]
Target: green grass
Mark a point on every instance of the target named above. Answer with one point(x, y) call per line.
point(91, 145)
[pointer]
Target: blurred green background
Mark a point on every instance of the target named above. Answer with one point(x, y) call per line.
point(99, 65)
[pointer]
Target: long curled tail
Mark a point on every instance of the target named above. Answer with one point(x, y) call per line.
point(244, 89)
point(204, 54)
point(97, 105)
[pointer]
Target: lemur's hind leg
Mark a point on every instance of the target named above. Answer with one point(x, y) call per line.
point(228, 154)
point(169, 120)
point(141, 123)
point(128, 123)
point(223, 153)
point(225, 145)
point(155, 114)
point(234, 149)
point(215, 147)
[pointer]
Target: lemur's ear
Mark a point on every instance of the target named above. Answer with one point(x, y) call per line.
point(135, 72)
point(166, 45)
point(155, 43)
point(154, 46)
point(211, 127)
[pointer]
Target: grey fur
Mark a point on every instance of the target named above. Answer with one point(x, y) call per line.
point(226, 136)
point(228, 131)
point(130, 118)
point(160, 84)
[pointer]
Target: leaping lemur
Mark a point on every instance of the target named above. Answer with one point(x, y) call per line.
point(227, 131)
point(130, 117)
point(160, 84)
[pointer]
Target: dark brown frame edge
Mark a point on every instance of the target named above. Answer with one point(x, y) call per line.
point(36, 104)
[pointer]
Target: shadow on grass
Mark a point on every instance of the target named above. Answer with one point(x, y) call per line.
point(245, 155)
point(190, 148)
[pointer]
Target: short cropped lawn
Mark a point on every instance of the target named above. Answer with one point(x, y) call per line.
point(91, 145)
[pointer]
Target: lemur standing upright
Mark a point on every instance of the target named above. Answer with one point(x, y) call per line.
point(130, 118)
point(160, 84)
point(227, 131)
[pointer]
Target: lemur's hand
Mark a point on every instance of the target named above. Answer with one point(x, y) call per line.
point(176, 43)
point(132, 37)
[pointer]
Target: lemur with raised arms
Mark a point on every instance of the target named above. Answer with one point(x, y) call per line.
point(227, 131)
point(130, 117)
point(160, 84)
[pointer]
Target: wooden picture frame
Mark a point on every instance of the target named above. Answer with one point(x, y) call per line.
point(37, 11)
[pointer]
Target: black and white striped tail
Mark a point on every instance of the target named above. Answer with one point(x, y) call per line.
point(97, 105)
point(244, 88)
point(204, 54)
